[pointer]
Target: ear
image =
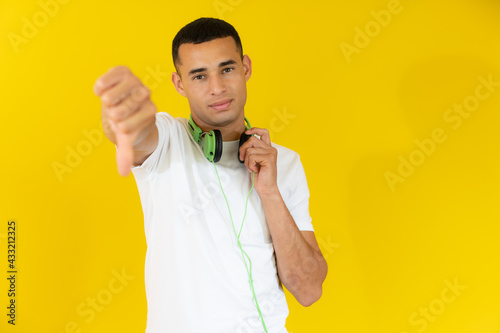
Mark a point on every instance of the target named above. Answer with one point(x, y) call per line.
point(177, 81)
point(247, 65)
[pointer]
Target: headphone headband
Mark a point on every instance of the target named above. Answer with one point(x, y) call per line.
point(212, 141)
point(196, 132)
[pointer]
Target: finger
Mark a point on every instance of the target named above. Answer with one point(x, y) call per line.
point(252, 165)
point(123, 90)
point(130, 105)
point(112, 77)
point(125, 153)
point(262, 132)
point(126, 134)
point(255, 159)
point(253, 142)
point(139, 119)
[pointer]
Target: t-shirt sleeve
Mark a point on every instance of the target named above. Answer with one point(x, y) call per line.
point(165, 123)
point(298, 204)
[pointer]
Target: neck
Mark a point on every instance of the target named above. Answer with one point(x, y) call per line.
point(232, 134)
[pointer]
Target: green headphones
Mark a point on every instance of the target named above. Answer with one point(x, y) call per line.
point(212, 141)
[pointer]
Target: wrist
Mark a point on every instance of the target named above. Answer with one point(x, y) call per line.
point(271, 194)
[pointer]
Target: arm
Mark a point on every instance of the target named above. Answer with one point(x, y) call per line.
point(128, 116)
point(301, 266)
point(142, 149)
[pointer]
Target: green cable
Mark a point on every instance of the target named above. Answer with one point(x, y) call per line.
point(243, 253)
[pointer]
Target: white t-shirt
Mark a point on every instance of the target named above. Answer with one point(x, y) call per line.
point(195, 276)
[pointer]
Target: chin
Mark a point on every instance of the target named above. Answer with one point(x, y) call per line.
point(224, 117)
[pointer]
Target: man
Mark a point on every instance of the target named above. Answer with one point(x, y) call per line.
point(198, 278)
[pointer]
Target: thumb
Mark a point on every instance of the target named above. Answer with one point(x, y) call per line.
point(125, 153)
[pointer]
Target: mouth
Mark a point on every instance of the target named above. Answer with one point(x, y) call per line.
point(221, 105)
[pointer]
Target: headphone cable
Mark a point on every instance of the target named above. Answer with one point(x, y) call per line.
point(243, 253)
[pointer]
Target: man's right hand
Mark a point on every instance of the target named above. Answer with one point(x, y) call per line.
point(128, 116)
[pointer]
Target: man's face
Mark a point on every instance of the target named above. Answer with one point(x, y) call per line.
point(213, 78)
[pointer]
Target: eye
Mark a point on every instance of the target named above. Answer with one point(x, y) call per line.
point(198, 77)
point(227, 69)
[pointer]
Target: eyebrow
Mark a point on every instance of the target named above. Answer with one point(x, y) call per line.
point(204, 69)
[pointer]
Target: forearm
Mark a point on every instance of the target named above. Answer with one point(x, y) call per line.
point(301, 268)
point(145, 145)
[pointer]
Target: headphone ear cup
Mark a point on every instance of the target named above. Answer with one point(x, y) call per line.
point(212, 145)
point(243, 138)
point(218, 145)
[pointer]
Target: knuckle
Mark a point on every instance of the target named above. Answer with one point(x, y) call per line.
point(107, 126)
point(129, 105)
point(98, 86)
point(107, 99)
point(111, 98)
point(124, 127)
point(140, 92)
point(120, 69)
point(120, 98)
point(117, 113)
point(113, 72)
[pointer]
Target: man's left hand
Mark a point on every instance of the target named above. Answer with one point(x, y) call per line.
point(260, 157)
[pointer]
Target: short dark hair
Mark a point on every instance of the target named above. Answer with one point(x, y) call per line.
point(203, 30)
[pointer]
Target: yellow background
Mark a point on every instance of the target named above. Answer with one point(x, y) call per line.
point(390, 251)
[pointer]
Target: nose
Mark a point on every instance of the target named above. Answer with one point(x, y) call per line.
point(217, 85)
